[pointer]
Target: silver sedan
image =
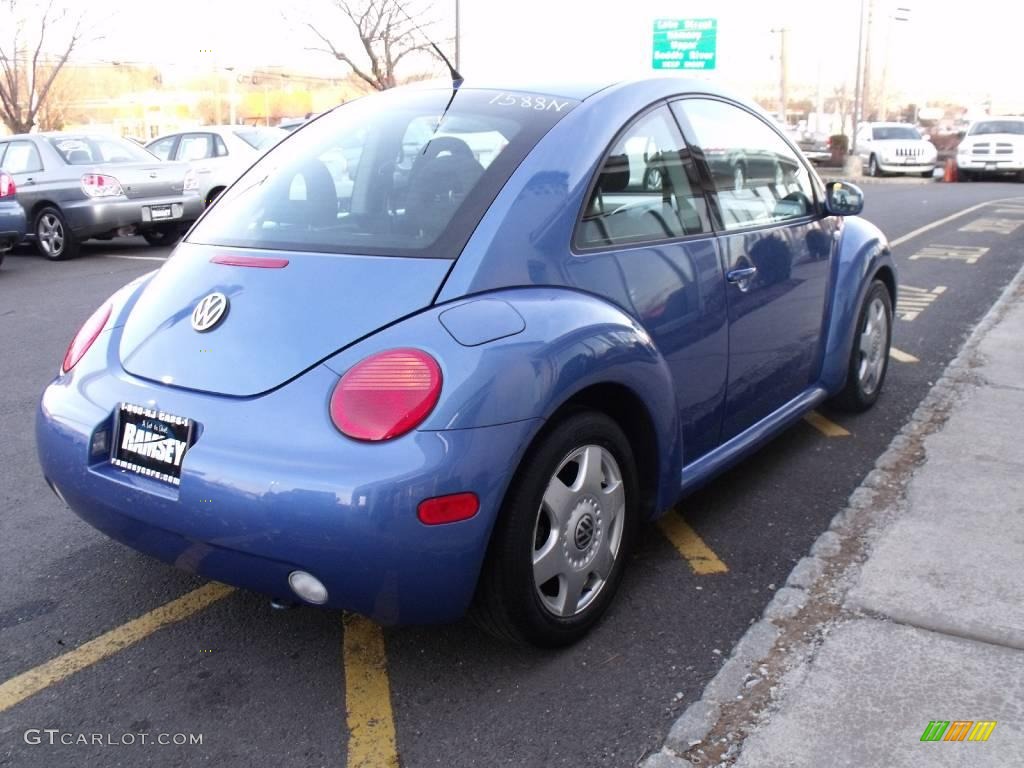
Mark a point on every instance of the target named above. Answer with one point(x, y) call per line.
point(76, 186)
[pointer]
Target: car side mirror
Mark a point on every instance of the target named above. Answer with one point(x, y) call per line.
point(843, 198)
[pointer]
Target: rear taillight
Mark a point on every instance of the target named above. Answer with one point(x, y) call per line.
point(100, 185)
point(85, 337)
point(386, 395)
point(7, 188)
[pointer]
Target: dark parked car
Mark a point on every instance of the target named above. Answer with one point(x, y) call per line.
point(78, 186)
point(12, 215)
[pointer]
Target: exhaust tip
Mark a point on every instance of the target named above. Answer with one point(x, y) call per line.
point(308, 587)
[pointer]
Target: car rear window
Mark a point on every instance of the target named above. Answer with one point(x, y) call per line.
point(403, 173)
point(998, 126)
point(99, 150)
point(260, 138)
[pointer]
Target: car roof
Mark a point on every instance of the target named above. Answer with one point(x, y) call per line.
point(579, 90)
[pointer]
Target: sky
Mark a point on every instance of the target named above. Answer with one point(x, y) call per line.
point(933, 54)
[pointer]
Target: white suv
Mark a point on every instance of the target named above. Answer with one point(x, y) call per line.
point(994, 145)
point(895, 148)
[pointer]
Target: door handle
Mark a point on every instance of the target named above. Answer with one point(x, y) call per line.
point(740, 276)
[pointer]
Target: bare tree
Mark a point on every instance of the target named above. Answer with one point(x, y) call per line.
point(386, 34)
point(35, 43)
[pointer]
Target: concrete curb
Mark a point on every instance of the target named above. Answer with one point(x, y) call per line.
point(709, 731)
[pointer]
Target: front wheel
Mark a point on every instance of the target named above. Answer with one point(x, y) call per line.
point(869, 359)
point(874, 169)
point(53, 238)
point(559, 547)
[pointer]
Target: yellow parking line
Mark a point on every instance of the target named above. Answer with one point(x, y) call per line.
point(698, 554)
point(371, 723)
point(29, 683)
point(902, 357)
point(826, 427)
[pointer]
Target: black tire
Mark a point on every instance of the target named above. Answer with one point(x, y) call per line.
point(167, 235)
point(964, 175)
point(54, 239)
point(873, 168)
point(508, 602)
point(212, 196)
point(927, 174)
point(859, 394)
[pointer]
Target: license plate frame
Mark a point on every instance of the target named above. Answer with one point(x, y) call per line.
point(161, 212)
point(157, 454)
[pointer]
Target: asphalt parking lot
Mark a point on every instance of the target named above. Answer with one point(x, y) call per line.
point(96, 639)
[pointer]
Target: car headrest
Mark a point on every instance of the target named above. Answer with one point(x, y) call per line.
point(453, 146)
point(615, 174)
point(79, 157)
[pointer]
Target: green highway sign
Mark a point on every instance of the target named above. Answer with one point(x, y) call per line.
point(685, 43)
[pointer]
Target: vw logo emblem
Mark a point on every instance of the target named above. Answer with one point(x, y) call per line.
point(584, 532)
point(209, 311)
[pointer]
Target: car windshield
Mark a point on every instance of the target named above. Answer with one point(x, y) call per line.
point(405, 173)
point(99, 150)
point(888, 132)
point(260, 138)
point(998, 126)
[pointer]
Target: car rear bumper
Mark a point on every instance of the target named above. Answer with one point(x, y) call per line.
point(88, 218)
point(270, 487)
point(12, 225)
point(9, 239)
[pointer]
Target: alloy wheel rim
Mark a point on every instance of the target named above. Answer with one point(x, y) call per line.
point(51, 234)
point(577, 534)
point(873, 347)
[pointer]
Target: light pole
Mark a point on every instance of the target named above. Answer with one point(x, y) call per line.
point(900, 14)
point(783, 34)
point(856, 88)
point(458, 35)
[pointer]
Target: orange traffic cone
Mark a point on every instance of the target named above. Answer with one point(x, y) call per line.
point(950, 174)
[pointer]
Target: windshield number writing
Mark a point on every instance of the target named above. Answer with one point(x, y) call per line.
point(538, 103)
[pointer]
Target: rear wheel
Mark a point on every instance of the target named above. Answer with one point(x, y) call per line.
point(53, 238)
point(869, 359)
point(212, 195)
point(166, 235)
point(559, 547)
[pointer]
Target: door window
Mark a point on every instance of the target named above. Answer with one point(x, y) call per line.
point(759, 180)
point(163, 148)
point(195, 146)
point(646, 189)
point(22, 157)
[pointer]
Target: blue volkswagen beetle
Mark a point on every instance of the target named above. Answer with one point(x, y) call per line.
point(445, 348)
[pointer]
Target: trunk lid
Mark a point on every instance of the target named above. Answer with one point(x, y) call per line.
point(279, 321)
point(142, 180)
